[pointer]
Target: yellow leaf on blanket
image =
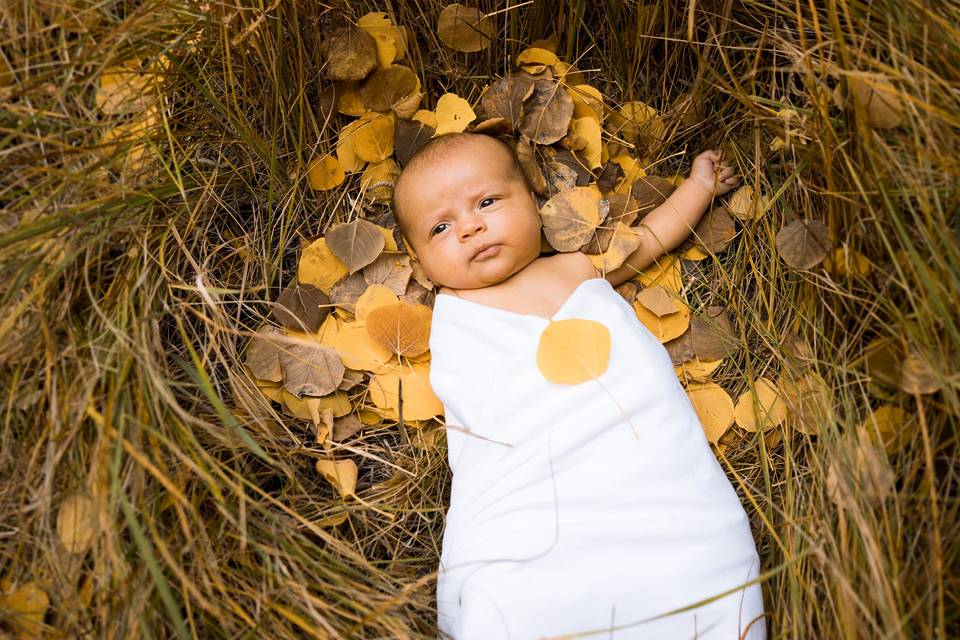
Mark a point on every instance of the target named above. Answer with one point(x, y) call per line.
point(573, 350)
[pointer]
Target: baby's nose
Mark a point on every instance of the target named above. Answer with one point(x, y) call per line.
point(472, 225)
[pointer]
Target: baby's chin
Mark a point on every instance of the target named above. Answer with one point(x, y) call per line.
point(483, 274)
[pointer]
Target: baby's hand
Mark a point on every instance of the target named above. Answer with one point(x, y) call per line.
point(715, 175)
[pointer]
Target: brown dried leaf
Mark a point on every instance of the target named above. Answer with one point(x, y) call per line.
point(345, 293)
point(390, 269)
point(356, 243)
point(301, 307)
point(492, 126)
point(650, 192)
point(623, 210)
point(712, 335)
point(464, 28)
point(387, 86)
point(526, 155)
point(505, 97)
point(803, 243)
point(350, 53)
point(308, 369)
point(345, 427)
point(409, 136)
point(609, 175)
point(657, 300)
point(263, 355)
point(715, 231)
point(570, 217)
point(546, 113)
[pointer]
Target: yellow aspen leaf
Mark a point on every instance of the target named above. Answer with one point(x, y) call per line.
point(373, 138)
point(889, 426)
point(325, 173)
point(568, 73)
point(389, 244)
point(534, 60)
point(271, 390)
point(808, 401)
point(747, 205)
point(632, 171)
point(667, 327)
point(346, 153)
point(464, 28)
point(402, 328)
point(376, 296)
point(624, 241)
point(426, 117)
point(341, 474)
point(573, 350)
point(587, 102)
point(378, 180)
point(588, 129)
point(846, 262)
point(320, 267)
point(419, 401)
point(76, 523)
point(694, 253)
point(332, 521)
point(714, 407)
point(880, 100)
point(453, 114)
point(760, 408)
point(696, 369)
point(637, 122)
point(124, 89)
point(391, 39)
point(27, 607)
point(664, 271)
point(361, 352)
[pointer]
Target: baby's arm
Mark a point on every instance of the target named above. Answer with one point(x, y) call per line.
point(669, 224)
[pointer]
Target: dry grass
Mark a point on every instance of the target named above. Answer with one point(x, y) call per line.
point(127, 298)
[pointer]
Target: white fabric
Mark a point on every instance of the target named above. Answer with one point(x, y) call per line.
point(561, 520)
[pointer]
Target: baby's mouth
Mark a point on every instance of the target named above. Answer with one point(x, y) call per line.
point(489, 252)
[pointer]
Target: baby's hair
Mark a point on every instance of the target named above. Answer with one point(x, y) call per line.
point(435, 149)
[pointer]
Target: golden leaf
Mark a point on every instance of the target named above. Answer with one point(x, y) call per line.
point(325, 173)
point(573, 350)
point(419, 401)
point(375, 296)
point(403, 328)
point(341, 474)
point(453, 114)
point(770, 409)
point(714, 407)
point(744, 204)
point(76, 523)
point(320, 267)
point(372, 140)
point(666, 327)
point(346, 152)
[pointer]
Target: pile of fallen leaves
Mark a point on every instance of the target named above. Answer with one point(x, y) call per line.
point(352, 344)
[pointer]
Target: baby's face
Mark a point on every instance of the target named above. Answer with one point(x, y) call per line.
point(470, 197)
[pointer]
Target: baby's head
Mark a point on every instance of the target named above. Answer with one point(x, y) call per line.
point(462, 192)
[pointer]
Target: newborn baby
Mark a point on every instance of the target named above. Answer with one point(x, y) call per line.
point(595, 508)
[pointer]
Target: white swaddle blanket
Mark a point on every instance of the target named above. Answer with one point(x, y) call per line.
point(561, 520)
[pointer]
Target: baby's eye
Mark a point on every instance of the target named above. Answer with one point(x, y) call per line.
point(490, 200)
point(437, 227)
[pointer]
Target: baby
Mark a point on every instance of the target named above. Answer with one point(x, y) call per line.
point(595, 507)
